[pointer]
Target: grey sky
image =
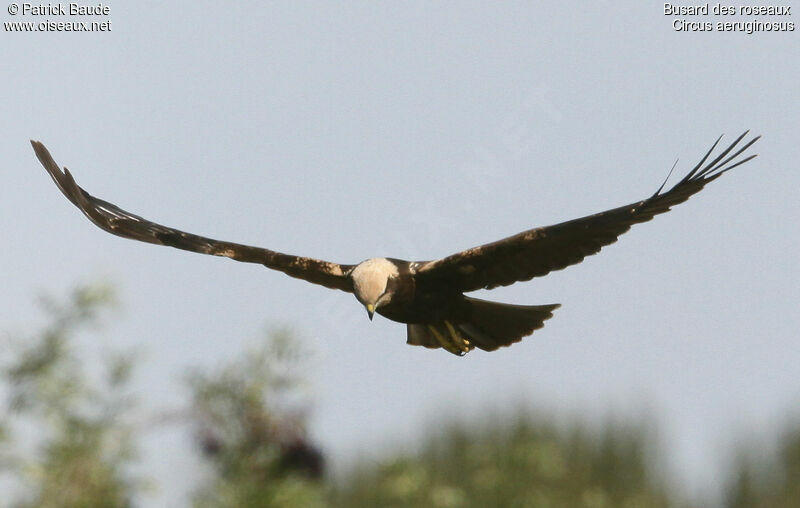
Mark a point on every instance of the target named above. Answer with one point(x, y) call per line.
point(348, 131)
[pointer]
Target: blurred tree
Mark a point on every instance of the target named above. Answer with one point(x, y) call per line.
point(774, 482)
point(249, 419)
point(77, 424)
point(518, 464)
point(247, 427)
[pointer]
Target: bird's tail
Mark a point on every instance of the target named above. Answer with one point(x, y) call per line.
point(486, 325)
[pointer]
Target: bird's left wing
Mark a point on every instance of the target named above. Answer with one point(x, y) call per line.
point(539, 251)
point(127, 225)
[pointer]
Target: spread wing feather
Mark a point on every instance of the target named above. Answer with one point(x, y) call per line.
point(539, 251)
point(116, 221)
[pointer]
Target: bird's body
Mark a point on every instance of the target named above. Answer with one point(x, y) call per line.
point(438, 314)
point(429, 296)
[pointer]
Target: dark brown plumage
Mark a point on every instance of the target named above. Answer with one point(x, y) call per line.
point(539, 251)
point(428, 295)
point(118, 222)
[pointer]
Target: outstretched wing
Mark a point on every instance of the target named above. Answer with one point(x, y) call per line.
point(127, 225)
point(539, 251)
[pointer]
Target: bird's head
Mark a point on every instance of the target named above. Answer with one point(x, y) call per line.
point(371, 283)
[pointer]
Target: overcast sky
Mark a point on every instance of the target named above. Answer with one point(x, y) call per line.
point(352, 130)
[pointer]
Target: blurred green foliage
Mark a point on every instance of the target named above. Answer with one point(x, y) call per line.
point(82, 443)
point(248, 429)
point(66, 440)
point(524, 462)
point(767, 482)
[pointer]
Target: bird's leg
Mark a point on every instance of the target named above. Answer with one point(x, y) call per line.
point(458, 340)
point(446, 344)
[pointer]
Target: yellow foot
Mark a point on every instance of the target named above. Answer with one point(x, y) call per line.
point(454, 343)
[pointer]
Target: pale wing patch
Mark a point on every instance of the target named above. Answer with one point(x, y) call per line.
point(327, 267)
point(228, 253)
point(333, 268)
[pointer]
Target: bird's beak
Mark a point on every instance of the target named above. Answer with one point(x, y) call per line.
point(370, 310)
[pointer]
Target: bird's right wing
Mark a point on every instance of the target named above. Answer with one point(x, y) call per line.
point(118, 222)
point(539, 251)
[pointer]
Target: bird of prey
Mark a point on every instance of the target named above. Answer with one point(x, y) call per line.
point(428, 296)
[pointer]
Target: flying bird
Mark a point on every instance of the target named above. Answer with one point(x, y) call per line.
point(428, 296)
